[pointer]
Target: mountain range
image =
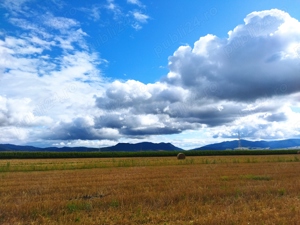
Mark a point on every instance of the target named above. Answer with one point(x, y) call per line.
point(127, 147)
point(244, 144)
point(149, 146)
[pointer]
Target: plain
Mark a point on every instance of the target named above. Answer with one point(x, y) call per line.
point(151, 190)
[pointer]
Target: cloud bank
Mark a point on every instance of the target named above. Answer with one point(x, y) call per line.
point(52, 90)
point(259, 59)
point(220, 82)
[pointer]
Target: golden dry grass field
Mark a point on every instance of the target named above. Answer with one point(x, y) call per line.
point(198, 190)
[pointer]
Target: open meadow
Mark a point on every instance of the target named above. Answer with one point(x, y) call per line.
point(151, 190)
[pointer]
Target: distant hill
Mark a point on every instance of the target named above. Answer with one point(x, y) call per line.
point(282, 144)
point(143, 146)
point(149, 146)
point(10, 147)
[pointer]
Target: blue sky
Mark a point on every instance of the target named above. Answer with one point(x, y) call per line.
point(95, 73)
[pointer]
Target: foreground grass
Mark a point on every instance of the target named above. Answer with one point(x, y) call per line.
point(198, 190)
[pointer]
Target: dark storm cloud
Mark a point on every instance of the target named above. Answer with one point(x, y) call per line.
point(150, 131)
point(79, 128)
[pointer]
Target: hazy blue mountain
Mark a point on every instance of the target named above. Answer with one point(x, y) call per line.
point(10, 147)
point(149, 146)
point(143, 146)
point(289, 143)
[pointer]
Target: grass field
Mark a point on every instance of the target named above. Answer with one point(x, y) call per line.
point(154, 190)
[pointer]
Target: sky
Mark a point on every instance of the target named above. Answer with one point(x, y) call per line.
point(96, 73)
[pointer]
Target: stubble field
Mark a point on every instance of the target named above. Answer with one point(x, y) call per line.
point(161, 190)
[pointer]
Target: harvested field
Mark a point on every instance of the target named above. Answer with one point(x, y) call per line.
point(198, 190)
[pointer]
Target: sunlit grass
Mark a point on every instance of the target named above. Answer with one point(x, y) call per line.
point(13, 165)
point(198, 190)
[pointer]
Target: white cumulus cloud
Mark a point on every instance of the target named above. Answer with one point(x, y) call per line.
point(52, 89)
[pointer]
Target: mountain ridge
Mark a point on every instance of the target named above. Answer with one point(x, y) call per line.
point(245, 144)
point(144, 146)
point(162, 146)
point(126, 147)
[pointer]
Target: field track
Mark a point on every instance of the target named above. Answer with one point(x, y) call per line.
point(156, 190)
